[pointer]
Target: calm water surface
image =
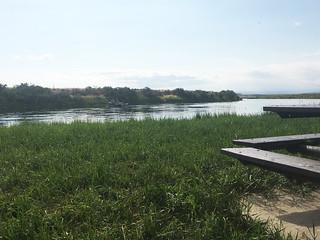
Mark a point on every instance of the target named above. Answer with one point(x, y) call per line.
point(177, 111)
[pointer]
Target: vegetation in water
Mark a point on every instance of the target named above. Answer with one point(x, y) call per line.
point(32, 98)
point(145, 179)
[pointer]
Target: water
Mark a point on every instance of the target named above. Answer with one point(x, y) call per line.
point(177, 111)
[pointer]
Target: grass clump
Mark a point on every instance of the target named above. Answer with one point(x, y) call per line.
point(135, 180)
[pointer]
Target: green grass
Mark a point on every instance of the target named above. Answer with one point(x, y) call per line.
point(136, 180)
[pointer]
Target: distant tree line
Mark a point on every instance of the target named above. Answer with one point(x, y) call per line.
point(283, 96)
point(26, 97)
point(33, 98)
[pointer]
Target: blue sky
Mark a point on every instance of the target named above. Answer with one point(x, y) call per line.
point(245, 45)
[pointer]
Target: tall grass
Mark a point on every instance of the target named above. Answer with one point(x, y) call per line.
point(146, 179)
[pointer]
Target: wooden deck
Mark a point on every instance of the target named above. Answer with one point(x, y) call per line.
point(303, 168)
point(294, 111)
point(296, 167)
point(279, 142)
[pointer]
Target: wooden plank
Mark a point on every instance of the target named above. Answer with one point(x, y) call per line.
point(280, 141)
point(294, 111)
point(290, 165)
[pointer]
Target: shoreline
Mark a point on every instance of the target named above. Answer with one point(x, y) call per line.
point(297, 215)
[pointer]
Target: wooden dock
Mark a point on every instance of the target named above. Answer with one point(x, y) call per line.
point(255, 152)
point(297, 167)
point(294, 111)
point(280, 141)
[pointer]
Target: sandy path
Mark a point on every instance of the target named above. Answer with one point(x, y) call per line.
point(297, 214)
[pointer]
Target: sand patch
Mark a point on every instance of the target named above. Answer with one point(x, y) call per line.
point(296, 214)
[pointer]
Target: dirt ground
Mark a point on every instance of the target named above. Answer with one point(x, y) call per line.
point(299, 216)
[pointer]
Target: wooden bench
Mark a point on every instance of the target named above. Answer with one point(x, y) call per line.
point(295, 111)
point(280, 141)
point(297, 167)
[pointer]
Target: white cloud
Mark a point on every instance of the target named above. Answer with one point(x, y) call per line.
point(296, 76)
point(297, 24)
point(292, 76)
point(33, 57)
point(157, 80)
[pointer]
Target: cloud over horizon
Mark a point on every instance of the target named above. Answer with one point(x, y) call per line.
point(297, 76)
point(33, 57)
point(246, 46)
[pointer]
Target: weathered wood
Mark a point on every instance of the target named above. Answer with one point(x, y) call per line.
point(296, 167)
point(295, 111)
point(305, 149)
point(280, 141)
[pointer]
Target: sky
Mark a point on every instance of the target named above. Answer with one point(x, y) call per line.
point(250, 46)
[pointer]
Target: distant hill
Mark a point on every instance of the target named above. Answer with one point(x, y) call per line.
point(26, 97)
point(282, 96)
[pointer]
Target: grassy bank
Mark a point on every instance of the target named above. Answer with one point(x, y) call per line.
point(135, 180)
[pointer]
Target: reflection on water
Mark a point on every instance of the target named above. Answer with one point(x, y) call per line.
point(244, 107)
